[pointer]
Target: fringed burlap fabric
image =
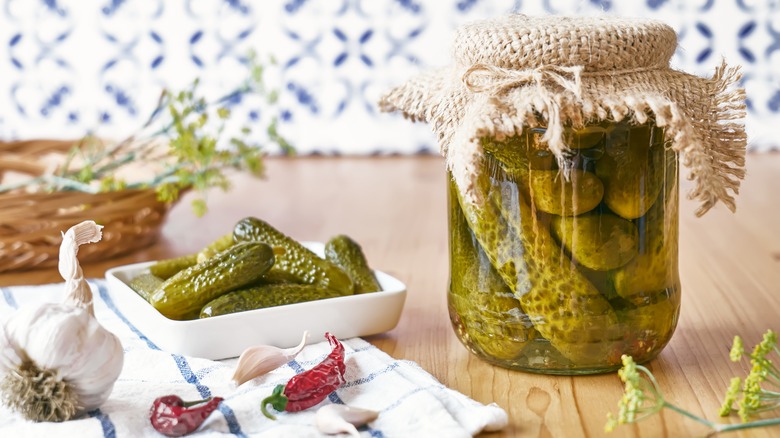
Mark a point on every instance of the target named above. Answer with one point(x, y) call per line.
point(517, 72)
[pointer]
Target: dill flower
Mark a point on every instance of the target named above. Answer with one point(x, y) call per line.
point(642, 396)
point(755, 399)
point(737, 349)
point(730, 397)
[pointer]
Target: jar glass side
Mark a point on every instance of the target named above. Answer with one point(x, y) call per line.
point(563, 276)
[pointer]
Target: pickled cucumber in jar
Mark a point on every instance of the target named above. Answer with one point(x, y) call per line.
point(649, 323)
point(632, 169)
point(585, 137)
point(482, 307)
point(565, 195)
point(564, 307)
point(655, 268)
point(597, 241)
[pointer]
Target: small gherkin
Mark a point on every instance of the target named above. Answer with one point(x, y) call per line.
point(600, 242)
point(222, 243)
point(347, 254)
point(654, 269)
point(647, 322)
point(564, 306)
point(263, 296)
point(294, 262)
point(145, 285)
point(486, 312)
point(552, 193)
point(632, 169)
point(184, 295)
point(167, 268)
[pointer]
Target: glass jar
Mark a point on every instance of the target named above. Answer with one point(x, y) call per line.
point(563, 272)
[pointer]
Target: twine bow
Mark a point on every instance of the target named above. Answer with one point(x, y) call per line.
point(485, 78)
point(551, 82)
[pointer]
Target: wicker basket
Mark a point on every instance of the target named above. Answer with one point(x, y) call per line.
point(31, 223)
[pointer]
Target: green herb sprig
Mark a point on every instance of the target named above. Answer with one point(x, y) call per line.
point(642, 396)
point(755, 399)
point(182, 143)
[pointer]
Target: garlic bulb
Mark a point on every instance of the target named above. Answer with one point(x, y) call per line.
point(56, 360)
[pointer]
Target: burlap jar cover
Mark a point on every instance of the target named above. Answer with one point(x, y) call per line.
point(517, 72)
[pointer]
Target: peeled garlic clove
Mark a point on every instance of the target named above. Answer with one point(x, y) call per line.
point(332, 419)
point(256, 361)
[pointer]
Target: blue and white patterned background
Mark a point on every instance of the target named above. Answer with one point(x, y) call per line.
point(68, 67)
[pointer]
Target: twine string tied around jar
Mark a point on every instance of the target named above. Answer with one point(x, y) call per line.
point(550, 80)
point(485, 78)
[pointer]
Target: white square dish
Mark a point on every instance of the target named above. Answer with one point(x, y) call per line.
point(227, 336)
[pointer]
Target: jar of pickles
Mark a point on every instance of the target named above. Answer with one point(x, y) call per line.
point(567, 273)
point(562, 138)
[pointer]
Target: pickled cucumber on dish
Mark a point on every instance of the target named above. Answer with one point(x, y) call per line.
point(167, 268)
point(184, 295)
point(145, 285)
point(597, 241)
point(552, 193)
point(294, 262)
point(632, 169)
point(486, 312)
point(564, 307)
point(654, 269)
point(261, 297)
point(215, 247)
point(347, 254)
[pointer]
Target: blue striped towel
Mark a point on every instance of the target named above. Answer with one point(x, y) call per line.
point(410, 401)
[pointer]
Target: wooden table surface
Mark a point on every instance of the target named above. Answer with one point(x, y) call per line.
point(395, 207)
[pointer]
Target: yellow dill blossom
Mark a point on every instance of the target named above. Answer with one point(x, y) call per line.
point(767, 345)
point(731, 396)
point(737, 349)
point(756, 399)
point(639, 400)
point(642, 396)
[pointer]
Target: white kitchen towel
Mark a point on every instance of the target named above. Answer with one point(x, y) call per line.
point(410, 402)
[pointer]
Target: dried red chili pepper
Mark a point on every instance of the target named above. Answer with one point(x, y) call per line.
point(171, 416)
point(309, 387)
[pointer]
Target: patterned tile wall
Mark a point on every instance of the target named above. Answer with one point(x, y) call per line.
point(68, 67)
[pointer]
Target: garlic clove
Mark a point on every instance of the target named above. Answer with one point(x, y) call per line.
point(259, 360)
point(332, 419)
